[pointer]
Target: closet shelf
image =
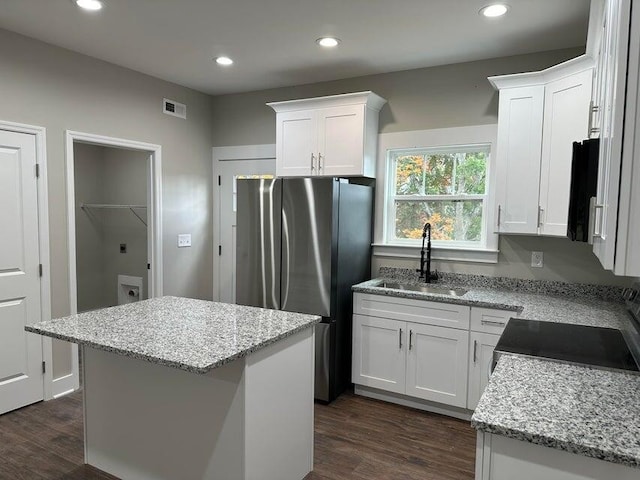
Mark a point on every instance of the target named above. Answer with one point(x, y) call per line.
point(114, 206)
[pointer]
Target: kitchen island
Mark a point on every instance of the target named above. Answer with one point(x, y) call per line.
point(191, 389)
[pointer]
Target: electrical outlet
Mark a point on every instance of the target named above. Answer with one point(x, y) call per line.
point(537, 259)
point(184, 240)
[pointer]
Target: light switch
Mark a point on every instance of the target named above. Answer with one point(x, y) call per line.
point(184, 240)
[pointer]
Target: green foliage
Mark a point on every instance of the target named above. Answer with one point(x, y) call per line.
point(459, 174)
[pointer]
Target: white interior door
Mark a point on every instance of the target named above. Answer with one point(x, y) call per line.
point(21, 377)
point(229, 171)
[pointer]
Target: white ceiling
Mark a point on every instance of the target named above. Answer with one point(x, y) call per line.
point(273, 41)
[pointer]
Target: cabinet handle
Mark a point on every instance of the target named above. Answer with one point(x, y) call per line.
point(591, 130)
point(410, 336)
point(400, 340)
point(540, 213)
point(597, 207)
point(313, 162)
point(493, 323)
point(499, 214)
point(475, 351)
point(319, 162)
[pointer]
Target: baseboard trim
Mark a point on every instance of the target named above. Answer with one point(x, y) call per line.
point(64, 385)
point(455, 412)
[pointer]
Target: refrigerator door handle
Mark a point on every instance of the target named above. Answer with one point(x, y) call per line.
point(285, 260)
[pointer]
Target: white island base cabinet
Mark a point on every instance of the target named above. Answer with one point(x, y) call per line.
point(503, 458)
point(249, 419)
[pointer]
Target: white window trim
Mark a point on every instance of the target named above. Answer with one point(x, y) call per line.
point(478, 134)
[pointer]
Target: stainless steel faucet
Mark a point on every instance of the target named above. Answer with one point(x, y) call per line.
point(426, 275)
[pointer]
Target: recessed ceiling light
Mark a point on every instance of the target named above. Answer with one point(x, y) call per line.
point(224, 61)
point(495, 10)
point(92, 5)
point(328, 42)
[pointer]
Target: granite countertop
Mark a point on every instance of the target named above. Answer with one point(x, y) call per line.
point(578, 409)
point(192, 335)
point(594, 310)
point(574, 408)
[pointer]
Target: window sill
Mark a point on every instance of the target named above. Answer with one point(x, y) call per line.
point(446, 254)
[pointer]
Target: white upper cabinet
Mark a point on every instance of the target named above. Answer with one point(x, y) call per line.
point(614, 38)
point(327, 136)
point(299, 128)
point(566, 119)
point(518, 158)
point(540, 115)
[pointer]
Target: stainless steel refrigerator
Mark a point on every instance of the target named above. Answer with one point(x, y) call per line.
point(300, 245)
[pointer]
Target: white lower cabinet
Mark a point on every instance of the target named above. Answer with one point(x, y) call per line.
point(434, 351)
point(422, 361)
point(481, 347)
point(378, 355)
point(437, 364)
point(502, 458)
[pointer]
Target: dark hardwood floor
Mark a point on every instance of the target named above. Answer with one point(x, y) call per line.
point(356, 438)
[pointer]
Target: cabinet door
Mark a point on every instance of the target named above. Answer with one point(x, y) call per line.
point(616, 37)
point(437, 364)
point(481, 347)
point(566, 119)
point(296, 141)
point(341, 140)
point(518, 158)
point(379, 353)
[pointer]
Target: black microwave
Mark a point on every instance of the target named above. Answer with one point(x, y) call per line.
point(584, 185)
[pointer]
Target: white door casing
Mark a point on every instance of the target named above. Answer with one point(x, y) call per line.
point(154, 227)
point(21, 353)
point(228, 163)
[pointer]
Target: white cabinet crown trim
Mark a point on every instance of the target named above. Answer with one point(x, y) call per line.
point(542, 77)
point(368, 98)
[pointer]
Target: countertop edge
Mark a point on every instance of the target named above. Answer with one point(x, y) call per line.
point(546, 441)
point(391, 292)
point(168, 363)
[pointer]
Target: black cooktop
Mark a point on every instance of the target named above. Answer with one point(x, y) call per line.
point(596, 346)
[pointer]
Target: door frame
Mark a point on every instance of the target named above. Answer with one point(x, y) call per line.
point(226, 154)
point(154, 195)
point(40, 134)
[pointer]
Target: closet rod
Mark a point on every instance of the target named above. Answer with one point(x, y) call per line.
point(109, 205)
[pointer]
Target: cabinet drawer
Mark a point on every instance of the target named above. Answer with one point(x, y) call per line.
point(488, 320)
point(411, 310)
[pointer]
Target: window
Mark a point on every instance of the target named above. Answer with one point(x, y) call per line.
point(444, 186)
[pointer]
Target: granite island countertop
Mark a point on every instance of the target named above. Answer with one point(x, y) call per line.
point(578, 409)
point(192, 335)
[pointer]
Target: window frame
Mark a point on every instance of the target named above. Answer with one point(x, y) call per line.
point(391, 197)
point(425, 139)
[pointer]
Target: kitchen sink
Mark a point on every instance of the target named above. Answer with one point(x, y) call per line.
point(424, 288)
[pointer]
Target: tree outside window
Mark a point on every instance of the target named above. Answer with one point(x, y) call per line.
point(446, 187)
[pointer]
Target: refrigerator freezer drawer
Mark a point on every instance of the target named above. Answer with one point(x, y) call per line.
point(323, 352)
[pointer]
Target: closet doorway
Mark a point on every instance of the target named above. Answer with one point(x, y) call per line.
point(114, 216)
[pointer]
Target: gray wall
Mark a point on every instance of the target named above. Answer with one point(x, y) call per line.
point(109, 176)
point(437, 97)
point(58, 89)
point(89, 230)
